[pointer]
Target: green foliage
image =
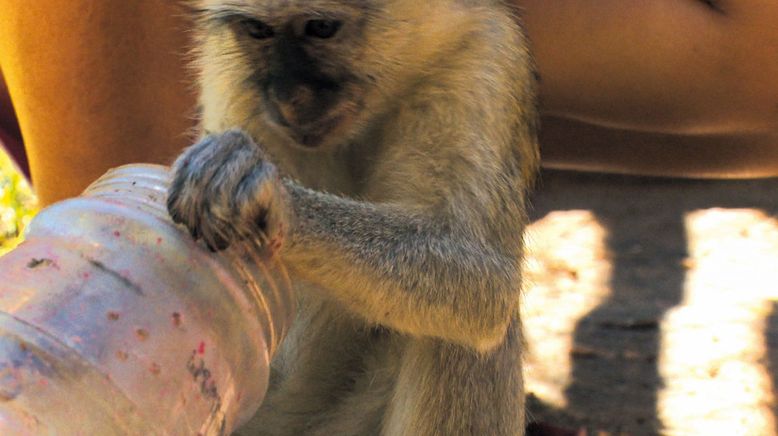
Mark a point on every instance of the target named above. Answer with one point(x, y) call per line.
point(18, 204)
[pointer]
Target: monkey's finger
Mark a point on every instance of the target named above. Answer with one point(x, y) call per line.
point(222, 187)
point(255, 197)
point(243, 140)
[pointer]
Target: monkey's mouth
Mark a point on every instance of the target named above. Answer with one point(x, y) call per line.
point(314, 135)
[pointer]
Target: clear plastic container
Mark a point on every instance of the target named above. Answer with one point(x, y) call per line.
point(114, 321)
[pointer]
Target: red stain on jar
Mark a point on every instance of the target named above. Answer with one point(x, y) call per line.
point(142, 334)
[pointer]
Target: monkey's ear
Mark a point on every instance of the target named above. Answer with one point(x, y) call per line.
point(193, 8)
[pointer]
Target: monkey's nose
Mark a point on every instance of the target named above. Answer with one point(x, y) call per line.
point(287, 113)
point(296, 106)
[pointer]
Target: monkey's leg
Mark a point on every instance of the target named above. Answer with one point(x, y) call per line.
point(445, 389)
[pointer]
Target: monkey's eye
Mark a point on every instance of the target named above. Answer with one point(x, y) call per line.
point(257, 29)
point(323, 29)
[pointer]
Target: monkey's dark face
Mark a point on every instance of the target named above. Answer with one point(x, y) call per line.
point(319, 72)
point(299, 64)
point(304, 89)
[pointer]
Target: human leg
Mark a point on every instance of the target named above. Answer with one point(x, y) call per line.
point(95, 85)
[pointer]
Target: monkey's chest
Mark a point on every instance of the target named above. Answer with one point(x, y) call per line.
point(341, 361)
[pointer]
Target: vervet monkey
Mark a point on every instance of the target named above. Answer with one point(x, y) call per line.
point(384, 149)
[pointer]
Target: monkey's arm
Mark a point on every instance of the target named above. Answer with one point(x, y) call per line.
point(436, 254)
point(419, 272)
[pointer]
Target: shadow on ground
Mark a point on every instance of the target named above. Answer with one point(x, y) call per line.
point(615, 380)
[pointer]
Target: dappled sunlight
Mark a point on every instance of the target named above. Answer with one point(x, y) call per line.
point(713, 357)
point(565, 278)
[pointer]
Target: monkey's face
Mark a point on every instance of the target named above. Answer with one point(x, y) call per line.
point(295, 63)
point(316, 71)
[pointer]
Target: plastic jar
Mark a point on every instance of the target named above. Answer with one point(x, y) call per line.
point(113, 320)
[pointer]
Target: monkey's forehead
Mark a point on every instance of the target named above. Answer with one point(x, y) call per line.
point(281, 8)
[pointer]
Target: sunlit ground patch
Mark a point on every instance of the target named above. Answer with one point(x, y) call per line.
point(566, 276)
point(713, 357)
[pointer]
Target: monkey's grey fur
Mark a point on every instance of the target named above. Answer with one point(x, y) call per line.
point(403, 133)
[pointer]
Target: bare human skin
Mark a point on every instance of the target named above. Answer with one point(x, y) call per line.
point(667, 87)
point(95, 85)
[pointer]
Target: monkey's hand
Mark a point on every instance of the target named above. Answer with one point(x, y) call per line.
point(224, 190)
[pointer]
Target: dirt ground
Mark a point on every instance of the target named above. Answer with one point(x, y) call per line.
point(651, 305)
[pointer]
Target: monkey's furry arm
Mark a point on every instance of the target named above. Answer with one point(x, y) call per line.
point(415, 272)
point(436, 256)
